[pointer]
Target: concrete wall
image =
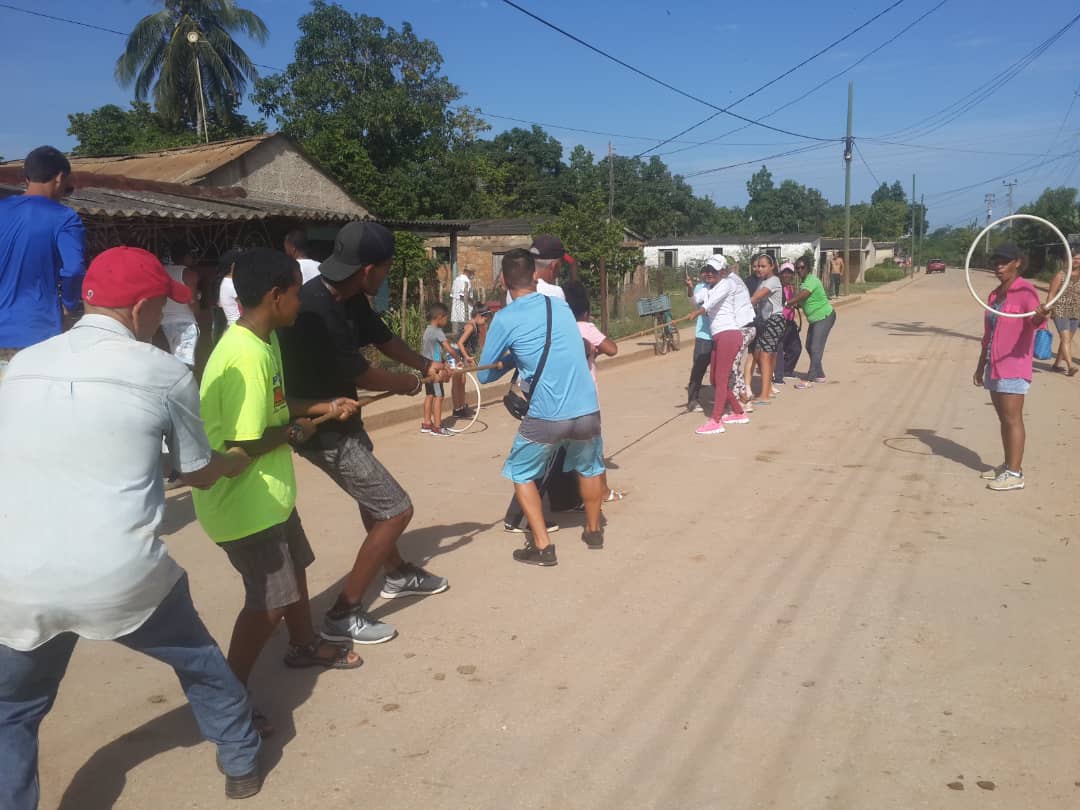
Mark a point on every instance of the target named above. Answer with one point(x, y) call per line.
point(274, 170)
point(700, 253)
point(478, 252)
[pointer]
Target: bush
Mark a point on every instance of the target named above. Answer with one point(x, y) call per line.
point(883, 274)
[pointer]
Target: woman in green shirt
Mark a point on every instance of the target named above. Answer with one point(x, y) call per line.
point(821, 317)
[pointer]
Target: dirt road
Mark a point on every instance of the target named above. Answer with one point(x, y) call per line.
point(822, 609)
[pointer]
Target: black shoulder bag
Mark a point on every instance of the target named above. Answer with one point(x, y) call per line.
point(515, 401)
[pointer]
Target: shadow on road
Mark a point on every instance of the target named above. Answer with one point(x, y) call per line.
point(921, 329)
point(946, 448)
point(277, 691)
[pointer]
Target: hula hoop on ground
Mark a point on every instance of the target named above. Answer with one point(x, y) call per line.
point(472, 387)
point(986, 230)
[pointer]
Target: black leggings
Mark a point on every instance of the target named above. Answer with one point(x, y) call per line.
point(702, 357)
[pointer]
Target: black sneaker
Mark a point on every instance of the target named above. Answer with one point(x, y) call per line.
point(507, 527)
point(532, 555)
point(594, 540)
point(464, 413)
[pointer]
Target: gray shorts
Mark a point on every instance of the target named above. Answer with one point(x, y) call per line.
point(353, 467)
point(270, 563)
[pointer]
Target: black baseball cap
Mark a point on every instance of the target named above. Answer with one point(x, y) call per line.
point(357, 245)
point(1006, 250)
point(547, 247)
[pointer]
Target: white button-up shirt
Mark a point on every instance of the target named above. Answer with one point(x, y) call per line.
point(82, 417)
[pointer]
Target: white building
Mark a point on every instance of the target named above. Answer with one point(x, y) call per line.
point(680, 251)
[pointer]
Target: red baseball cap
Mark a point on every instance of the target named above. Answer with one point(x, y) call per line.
point(123, 276)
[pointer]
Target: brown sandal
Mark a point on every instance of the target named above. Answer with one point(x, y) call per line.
point(301, 656)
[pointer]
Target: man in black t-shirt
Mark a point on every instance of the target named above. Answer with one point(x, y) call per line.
point(322, 353)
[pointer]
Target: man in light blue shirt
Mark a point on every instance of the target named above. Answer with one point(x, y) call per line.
point(564, 411)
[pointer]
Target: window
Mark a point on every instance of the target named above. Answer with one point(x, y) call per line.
point(717, 251)
point(442, 255)
point(496, 268)
point(669, 258)
point(773, 251)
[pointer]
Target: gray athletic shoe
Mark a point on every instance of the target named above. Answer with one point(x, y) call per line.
point(992, 473)
point(411, 580)
point(1007, 482)
point(358, 627)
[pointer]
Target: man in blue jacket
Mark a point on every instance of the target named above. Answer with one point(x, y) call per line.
point(41, 252)
point(563, 408)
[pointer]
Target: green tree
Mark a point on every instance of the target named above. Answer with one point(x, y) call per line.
point(587, 234)
point(112, 130)
point(1057, 205)
point(160, 56)
point(789, 208)
point(371, 104)
point(887, 193)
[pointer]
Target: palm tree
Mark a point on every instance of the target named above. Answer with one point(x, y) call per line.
point(186, 53)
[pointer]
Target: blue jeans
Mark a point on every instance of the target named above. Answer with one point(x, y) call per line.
point(817, 335)
point(174, 634)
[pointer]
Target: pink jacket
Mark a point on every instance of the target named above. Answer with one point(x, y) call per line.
point(1014, 338)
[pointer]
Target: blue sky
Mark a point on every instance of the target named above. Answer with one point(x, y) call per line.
point(509, 65)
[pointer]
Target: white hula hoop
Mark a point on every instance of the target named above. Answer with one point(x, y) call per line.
point(987, 229)
point(462, 425)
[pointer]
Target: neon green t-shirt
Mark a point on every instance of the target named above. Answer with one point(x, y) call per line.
point(242, 394)
point(817, 306)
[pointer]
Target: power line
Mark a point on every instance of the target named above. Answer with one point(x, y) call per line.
point(962, 150)
point(773, 81)
point(820, 84)
point(946, 115)
point(93, 27)
point(858, 151)
point(1022, 169)
point(799, 151)
point(661, 82)
point(486, 114)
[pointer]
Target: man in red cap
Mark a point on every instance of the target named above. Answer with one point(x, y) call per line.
point(83, 415)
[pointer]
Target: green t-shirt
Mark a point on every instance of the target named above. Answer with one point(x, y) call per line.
point(242, 394)
point(817, 306)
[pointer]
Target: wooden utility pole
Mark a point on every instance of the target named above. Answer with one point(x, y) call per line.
point(848, 148)
point(913, 225)
point(611, 182)
point(404, 302)
point(603, 296)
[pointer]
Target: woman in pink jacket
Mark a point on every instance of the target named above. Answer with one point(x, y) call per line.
point(1004, 366)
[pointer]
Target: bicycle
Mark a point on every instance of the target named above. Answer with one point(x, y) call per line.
point(665, 333)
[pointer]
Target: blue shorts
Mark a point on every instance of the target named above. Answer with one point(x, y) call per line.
point(1007, 385)
point(538, 441)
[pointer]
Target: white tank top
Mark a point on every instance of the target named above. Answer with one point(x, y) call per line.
point(174, 312)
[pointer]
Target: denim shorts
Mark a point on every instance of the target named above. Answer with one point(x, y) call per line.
point(1067, 324)
point(529, 458)
point(1006, 385)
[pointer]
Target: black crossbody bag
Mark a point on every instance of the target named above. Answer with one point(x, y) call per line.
point(516, 402)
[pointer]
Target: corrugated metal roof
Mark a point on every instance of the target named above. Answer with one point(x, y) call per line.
point(100, 202)
point(184, 164)
point(429, 226)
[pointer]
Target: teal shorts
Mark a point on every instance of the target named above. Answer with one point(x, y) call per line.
point(529, 459)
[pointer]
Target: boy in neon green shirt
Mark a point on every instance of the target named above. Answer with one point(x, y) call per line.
point(253, 516)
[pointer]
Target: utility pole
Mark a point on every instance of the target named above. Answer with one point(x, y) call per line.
point(922, 220)
point(913, 225)
point(1010, 185)
point(989, 199)
point(848, 148)
point(193, 39)
point(610, 182)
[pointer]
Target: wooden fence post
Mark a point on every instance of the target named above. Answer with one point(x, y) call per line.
point(404, 303)
point(603, 296)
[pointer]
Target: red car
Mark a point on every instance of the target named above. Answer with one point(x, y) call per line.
point(935, 266)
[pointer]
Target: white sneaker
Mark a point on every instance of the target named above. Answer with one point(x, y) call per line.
point(992, 473)
point(1008, 480)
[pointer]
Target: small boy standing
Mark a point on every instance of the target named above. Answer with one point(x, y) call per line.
point(436, 347)
point(253, 517)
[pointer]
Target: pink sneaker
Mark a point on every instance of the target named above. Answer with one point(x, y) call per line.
point(735, 419)
point(710, 427)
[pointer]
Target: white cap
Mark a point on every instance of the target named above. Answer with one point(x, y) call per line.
point(717, 263)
